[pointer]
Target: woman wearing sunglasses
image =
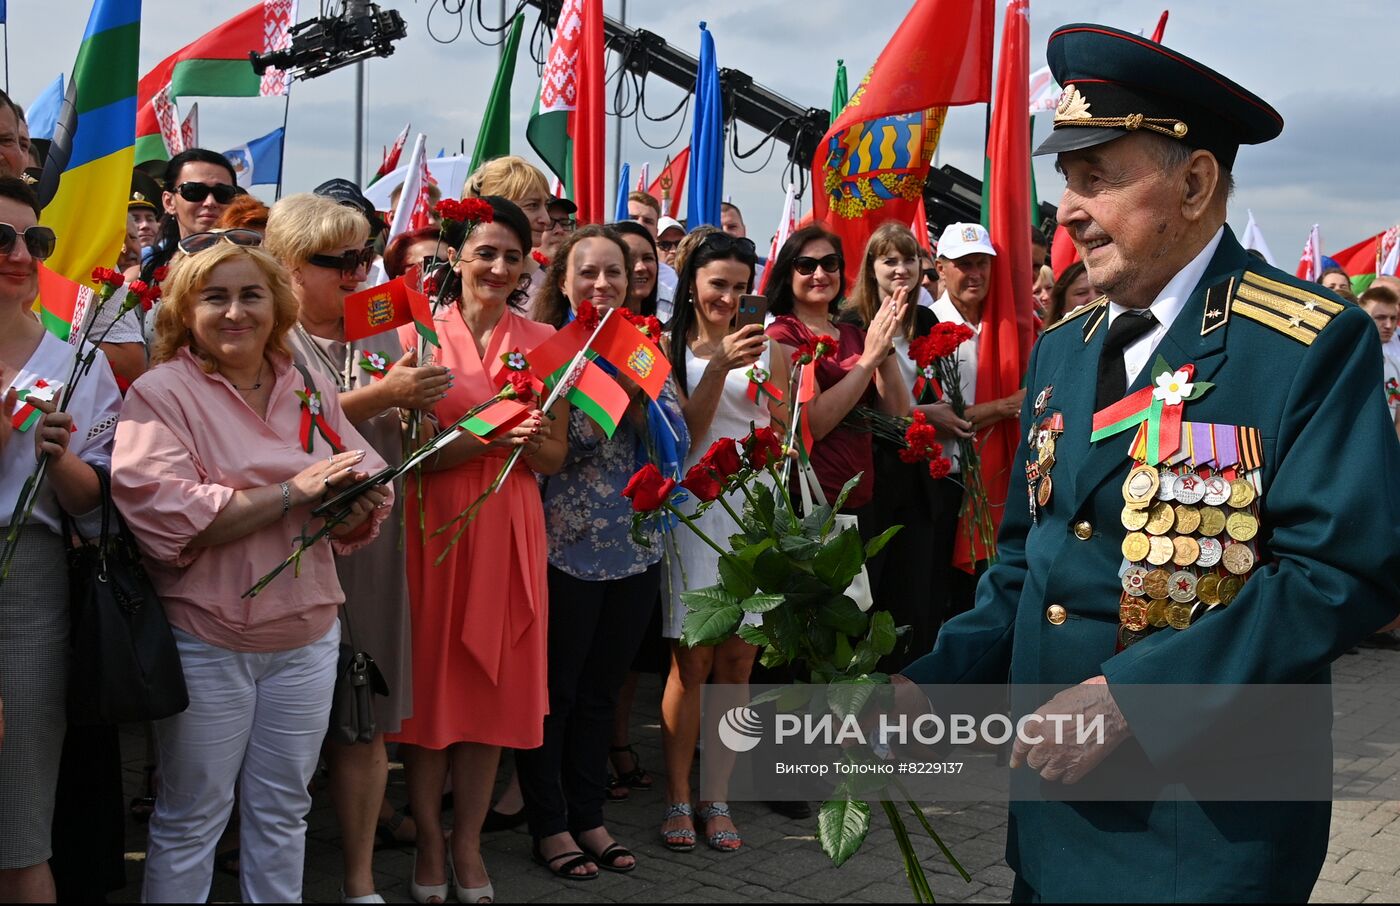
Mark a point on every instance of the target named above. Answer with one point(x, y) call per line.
point(199, 185)
point(322, 244)
point(34, 596)
point(215, 476)
point(806, 284)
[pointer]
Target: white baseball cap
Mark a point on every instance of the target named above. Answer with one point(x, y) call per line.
point(961, 239)
point(668, 223)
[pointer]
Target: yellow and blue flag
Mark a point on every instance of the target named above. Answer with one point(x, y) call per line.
point(88, 171)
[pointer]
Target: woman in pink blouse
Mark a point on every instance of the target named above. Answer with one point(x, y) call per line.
point(216, 477)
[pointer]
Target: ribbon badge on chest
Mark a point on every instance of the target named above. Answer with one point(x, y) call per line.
point(1155, 411)
point(376, 364)
point(27, 415)
point(313, 422)
point(761, 385)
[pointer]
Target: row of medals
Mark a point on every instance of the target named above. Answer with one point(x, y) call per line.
point(1188, 545)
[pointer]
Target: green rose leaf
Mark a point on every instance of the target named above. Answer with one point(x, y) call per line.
point(842, 825)
point(877, 544)
point(759, 509)
point(841, 614)
point(761, 603)
point(736, 577)
point(864, 659)
point(815, 521)
point(846, 490)
point(710, 627)
point(839, 560)
point(772, 570)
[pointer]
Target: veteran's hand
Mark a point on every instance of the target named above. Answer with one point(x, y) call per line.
point(1068, 760)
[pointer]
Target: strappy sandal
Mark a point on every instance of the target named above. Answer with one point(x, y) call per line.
point(566, 870)
point(637, 778)
point(610, 856)
point(725, 841)
point(386, 831)
point(680, 839)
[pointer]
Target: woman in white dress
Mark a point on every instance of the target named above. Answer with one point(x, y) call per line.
point(712, 362)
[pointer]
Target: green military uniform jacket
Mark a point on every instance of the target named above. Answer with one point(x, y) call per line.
point(1303, 368)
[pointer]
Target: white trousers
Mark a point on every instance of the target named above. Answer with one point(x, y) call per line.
point(257, 719)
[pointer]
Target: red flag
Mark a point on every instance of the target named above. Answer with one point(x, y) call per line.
point(549, 359)
point(1360, 258)
point(668, 186)
point(496, 419)
point(629, 351)
point(1008, 321)
point(375, 310)
point(871, 165)
point(1062, 252)
point(391, 156)
point(1310, 262)
point(587, 122)
point(1161, 27)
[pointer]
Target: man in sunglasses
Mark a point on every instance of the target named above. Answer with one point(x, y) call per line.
point(669, 234)
point(561, 224)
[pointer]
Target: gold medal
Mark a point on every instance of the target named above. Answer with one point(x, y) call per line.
point(1241, 525)
point(1046, 453)
point(1160, 518)
point(1140, 487)
point(1178, 616)
point(1132, 613)
point(1187, 550)
point(1043, 490)
point(1188, 518)
point(1238, 558)
point(1157, 613)
point(1160, 550)
point(1212, 521)
point(1136, 547)
point(1134, 519)
point(1230, 587)
point(1208, 588)
point(1157, 583)
point(1241, 493)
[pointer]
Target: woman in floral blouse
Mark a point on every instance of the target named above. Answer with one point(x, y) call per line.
point(604, 583)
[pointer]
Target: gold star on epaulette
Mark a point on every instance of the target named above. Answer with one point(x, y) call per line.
point(1290, 310)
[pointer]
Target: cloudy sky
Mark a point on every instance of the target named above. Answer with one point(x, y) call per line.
point(1331, 76)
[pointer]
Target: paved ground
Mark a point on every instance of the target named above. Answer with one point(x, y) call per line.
point(781, 861)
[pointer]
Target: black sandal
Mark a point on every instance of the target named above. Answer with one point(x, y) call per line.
point(637, 778)
point(608, 858)
point(386, 832)
point(565, 871)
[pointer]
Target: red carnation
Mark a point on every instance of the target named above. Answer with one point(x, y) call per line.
point(939, 468)
point(108, 277)
point(160, 274)
point(430, 286)
point(476, 210)
point(763, 447)
point(653, 327)
point(522, 385)
point(540, 258)
point(589, 314)
point(648, 490)
point(945, 338)
point(723, 457)
point(813, 349)
point(702, 482)
point(450, 210)
point(921, 352)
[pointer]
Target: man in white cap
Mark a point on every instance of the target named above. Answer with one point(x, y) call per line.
point(669, 234)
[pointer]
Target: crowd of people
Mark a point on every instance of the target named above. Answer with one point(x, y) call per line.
point(530, 635)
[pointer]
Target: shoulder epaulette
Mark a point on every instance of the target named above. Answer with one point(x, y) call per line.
point(1290, 310)
point(1098, 305)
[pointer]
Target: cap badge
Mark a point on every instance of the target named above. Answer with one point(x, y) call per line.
point(969, 234)
point(137, 196)
point(1072, 106)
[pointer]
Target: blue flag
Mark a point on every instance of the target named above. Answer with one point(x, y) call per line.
point(3, 20)
point(706, 139)
point(42, 115)
point(624, 180)
point(259, 162)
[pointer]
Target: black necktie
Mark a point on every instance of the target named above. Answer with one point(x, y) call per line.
point(1113, 374)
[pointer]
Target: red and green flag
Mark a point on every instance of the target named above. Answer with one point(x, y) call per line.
point(567, 124)
point(500, 416)
point(599, 396)
point(632, 353)
point(215, 65)
point(62, 302)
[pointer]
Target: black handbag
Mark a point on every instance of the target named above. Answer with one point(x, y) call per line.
point(125, 666)
point(357, 681)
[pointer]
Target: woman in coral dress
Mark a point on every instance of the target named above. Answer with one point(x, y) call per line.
point(479, 618)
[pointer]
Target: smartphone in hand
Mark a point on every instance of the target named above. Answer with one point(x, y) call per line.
point(753, 309)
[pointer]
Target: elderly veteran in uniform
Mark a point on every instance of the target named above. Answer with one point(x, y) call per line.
point(1262, 565)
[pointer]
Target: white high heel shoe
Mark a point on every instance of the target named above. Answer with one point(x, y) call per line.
point(424, 893)
point(469, 894)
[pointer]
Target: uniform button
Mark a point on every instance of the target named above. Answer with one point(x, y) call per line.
point(1056, 614)
point(1083, 530)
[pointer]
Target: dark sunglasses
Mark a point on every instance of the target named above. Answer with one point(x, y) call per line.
point(348, 263)
point(198, 242)
point(806, 265)
point(564, 223)
point(666, 245)
point(39, 240)
point(723, 242)
point(196, 192)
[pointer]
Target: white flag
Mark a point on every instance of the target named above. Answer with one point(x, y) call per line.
point(785, 224)
point(189, 129)
point(1253, 240)
point(414, 185)
point(1389, 253)
point(1310, 262)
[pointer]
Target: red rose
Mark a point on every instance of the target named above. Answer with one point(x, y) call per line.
point(702, 482)
point(648, 490)
point(763, 447)
point(939, 468)
point(723, 457)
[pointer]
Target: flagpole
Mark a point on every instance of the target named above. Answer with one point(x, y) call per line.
point(282, 151)
point(7, 55)
point(359, 122)
point(617, 117)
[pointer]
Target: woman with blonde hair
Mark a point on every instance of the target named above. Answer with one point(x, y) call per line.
point(214, 475)
point(520, 182)
point(908, 586)
point(322, 243)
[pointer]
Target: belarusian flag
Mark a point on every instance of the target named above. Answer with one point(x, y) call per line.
point(630, 351)
point(215, 65)
point(566, 126)
point(391, 157)
point(62, 303)
point(500, 416)
point(599, 396)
